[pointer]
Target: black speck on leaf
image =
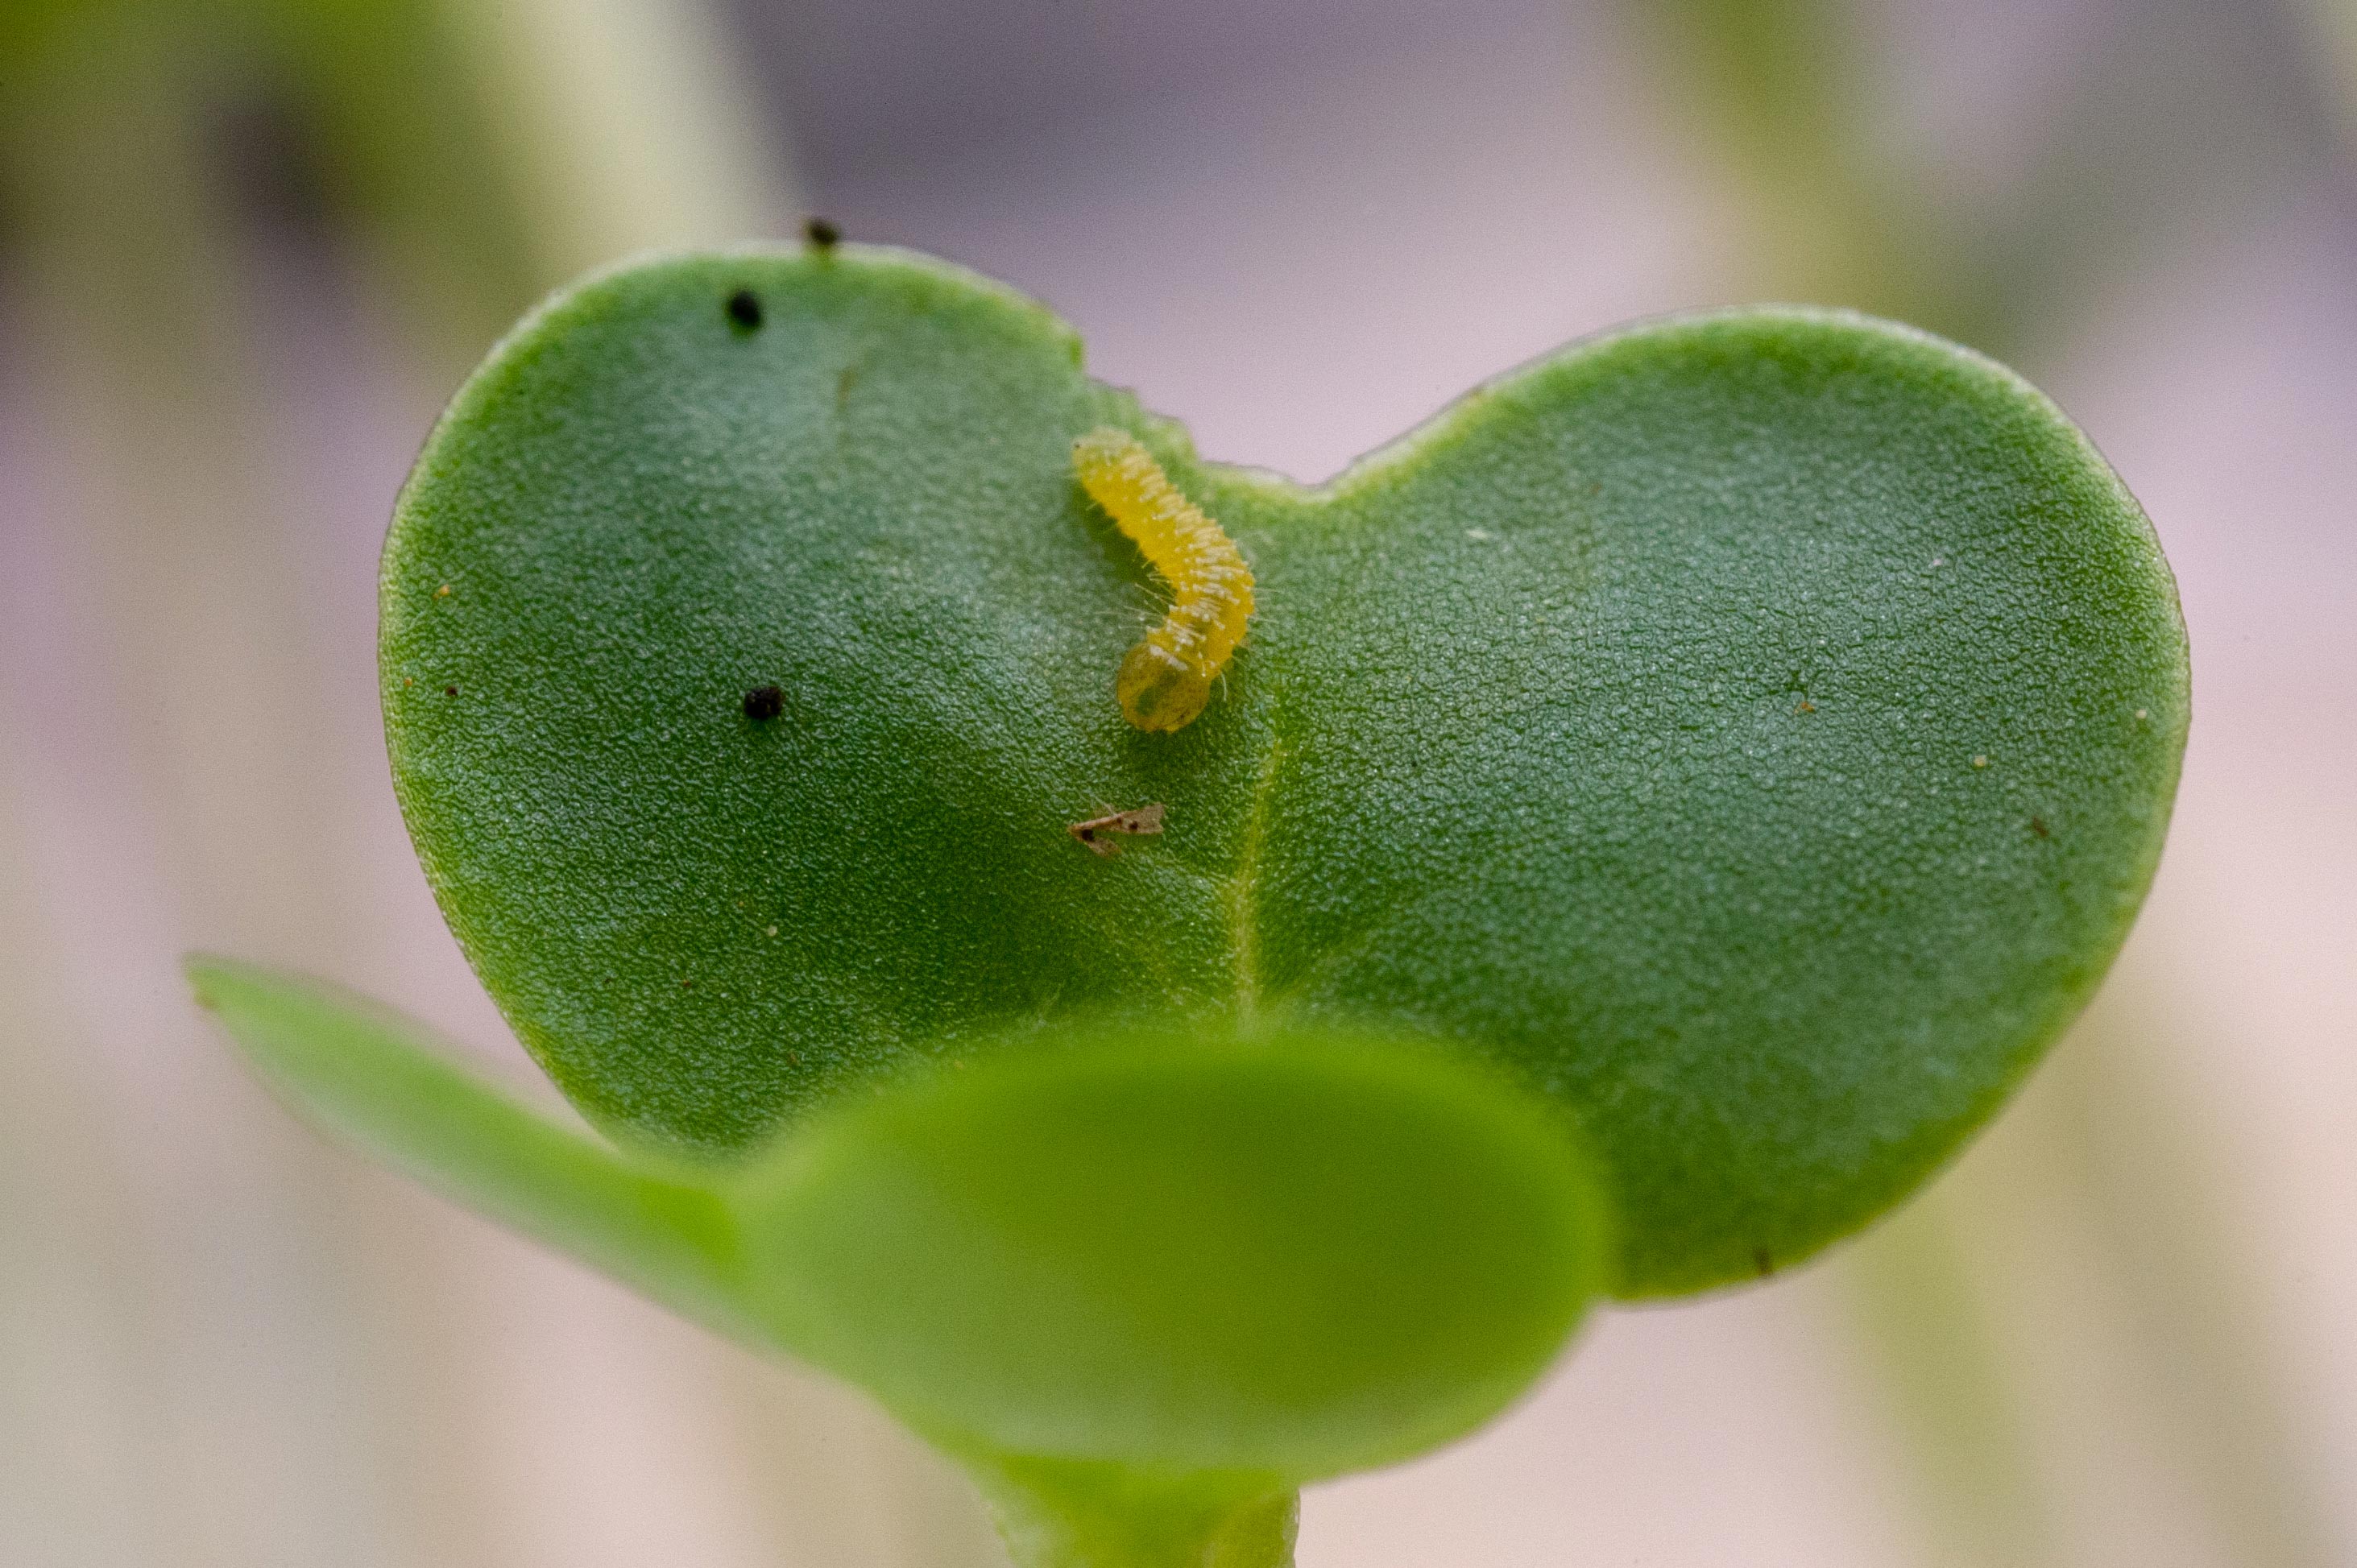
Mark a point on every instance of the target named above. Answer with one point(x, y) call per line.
point(822, 233)
point(764, 702)
point(745, 309)
point(449, 691)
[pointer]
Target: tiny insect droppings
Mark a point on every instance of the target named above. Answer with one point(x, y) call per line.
point(449, 691)
point(1092, 833)
point(822, 233)
point(1166, 679)
point(745, 309)
point(764, 702)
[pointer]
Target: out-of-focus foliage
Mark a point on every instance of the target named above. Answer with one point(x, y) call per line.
point(1774, 89)
point(1147, 1284)
point(477, 154)
point(371, 108)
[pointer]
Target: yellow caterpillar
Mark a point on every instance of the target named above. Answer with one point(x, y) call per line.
point(1166, 679)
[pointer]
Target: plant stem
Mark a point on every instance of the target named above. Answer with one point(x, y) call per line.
point(1065, 1515)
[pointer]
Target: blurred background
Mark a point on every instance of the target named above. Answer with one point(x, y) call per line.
point(248, 246)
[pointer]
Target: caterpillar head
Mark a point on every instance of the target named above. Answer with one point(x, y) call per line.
point(1158, 691)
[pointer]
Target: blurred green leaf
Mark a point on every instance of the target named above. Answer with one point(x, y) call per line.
point(1303, 1256)
point(1755, 730)
point(1144, 1284)
point(1774, 89)
point(378, 1081)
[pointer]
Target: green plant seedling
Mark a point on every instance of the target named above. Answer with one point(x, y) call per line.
point(1734, 747)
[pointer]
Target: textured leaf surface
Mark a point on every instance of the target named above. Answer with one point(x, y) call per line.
point(1755, 731)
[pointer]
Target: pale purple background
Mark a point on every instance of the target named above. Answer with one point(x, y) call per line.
point(1300, 227)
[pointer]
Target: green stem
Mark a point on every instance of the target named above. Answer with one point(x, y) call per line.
point(1059, 1514)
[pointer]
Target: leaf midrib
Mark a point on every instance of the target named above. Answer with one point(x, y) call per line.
point(1242, 885)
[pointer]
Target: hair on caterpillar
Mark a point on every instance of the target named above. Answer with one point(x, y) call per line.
point(1166, 679)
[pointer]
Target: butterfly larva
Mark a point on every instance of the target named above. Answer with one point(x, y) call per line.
point(1166, 679)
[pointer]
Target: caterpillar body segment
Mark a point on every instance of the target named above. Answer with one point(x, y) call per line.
point(1166, 679)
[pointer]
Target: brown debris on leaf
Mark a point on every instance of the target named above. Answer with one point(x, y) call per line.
point(1095, 833)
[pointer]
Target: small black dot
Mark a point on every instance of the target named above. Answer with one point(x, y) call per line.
point(744, 309)
point(764, 702)
point(449, 691)
point(822, 233)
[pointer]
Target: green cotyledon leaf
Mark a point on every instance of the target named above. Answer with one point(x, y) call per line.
point(1755, 731)
point(1144, 1284)
point(382, 1082)
point(1278, 1255)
